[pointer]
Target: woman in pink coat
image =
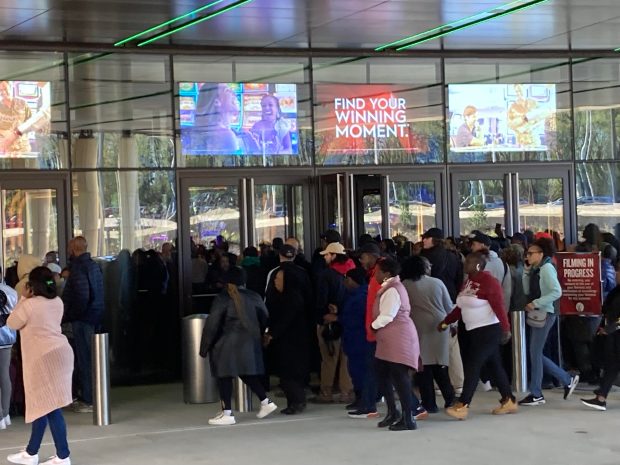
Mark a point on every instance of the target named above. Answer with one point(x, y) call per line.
point(398, 348)
point(47, 364)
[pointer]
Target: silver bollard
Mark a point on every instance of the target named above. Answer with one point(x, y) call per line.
point(101, 380)
point(519, 352)
point(243, 397)
point(199, 386)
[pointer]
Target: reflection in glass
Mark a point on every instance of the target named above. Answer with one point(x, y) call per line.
point(541, 205)
point(214, 211)
point(272, 214)
point(412, 208)
point(373, 217)
point(124, 210)
point(481, 205)
point(598, 195)
point(29, 223)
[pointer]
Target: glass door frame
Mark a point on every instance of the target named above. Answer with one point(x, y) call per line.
point(510, 175)
point(244, 181)
point(58, 181)
point(345, 184)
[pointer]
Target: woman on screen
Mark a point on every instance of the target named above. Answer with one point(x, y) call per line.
point(217, 109)
point(272, 132)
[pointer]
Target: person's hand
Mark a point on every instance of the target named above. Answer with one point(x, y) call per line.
point(267, 338)
point(333, 308)
point(529, 307)
point(441, 327)
point(601, 332)
point(506, 336)
point(330, 318)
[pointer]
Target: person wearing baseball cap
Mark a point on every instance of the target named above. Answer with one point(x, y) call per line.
point(330, 295)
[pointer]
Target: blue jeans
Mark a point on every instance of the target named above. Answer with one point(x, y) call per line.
point(59, 433)
point(369, 390)
point(540, 363)
point(82, 335)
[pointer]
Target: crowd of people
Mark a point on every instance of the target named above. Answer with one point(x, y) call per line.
point(395, 317)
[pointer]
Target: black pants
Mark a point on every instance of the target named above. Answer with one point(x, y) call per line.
point(612, 364)
point(424, 380)
point(392, 376)
point(483, 347)
point(225, 386)
point(293, 388)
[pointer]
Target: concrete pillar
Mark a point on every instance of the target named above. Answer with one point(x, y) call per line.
point(89, 201)
point(128, 200)
point(37, 221)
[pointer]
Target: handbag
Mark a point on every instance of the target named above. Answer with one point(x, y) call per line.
point(536, 318)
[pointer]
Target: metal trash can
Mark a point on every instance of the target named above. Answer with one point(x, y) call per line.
point(199, 387)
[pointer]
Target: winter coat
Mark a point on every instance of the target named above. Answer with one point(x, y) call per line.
point(608, 275)
point(430, 303)
point(8, 335)
point(447, 267)
point(47, 356)
point(234, 345)
point(329, 290)
point(83, 293)
point(287, 323)
point(397, 341)
point(352, 317)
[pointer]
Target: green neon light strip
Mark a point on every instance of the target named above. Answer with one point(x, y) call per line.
point(194, 22)
point(460, 24)
point(472, 23)
point(174, 20)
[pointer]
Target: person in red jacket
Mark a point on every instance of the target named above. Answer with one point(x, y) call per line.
point(480, 305)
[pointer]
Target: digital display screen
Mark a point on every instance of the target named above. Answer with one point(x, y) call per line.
point(24, 118)
point(360, 119)
point(501, 117)
point(238, 118)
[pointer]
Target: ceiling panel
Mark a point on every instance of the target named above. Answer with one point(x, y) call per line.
point(362, 24)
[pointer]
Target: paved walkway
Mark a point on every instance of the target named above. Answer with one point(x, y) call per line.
point(151, 425)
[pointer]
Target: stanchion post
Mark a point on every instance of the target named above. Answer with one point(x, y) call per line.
point(519, 352)
point(243, 397)
point(101, 379)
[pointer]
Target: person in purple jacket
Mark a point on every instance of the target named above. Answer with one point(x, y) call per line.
point(398, 348)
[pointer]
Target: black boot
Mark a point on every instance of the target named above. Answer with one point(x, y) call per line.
point(407, 422)
point(391, 417)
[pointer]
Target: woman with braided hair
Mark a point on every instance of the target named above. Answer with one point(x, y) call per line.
point(233, 339)
point(47, 364)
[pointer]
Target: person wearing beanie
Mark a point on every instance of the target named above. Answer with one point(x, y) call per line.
point(232, 338)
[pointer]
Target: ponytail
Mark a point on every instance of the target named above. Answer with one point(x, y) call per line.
point(233, 292)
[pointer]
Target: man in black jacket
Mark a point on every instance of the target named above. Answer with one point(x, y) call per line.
point(83, 300)
point(445, 265)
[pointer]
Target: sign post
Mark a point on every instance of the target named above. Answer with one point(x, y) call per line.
point(580, 277)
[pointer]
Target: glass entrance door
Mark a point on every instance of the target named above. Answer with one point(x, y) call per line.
point(224, 215)
point(514, 200)
point(34, 218)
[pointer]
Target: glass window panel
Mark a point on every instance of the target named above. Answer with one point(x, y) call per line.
point(33, 105)
point(214, 211)
point(510, 113)
point(598, 195)
point(541, 205)
point(30, 223)
point(412, 208)
point(596, 96)
point(124, 210)
point(481, 205)
point(246, 134)
point(373, 217)
point(124, 102)
point(387, 113)
point(270, 212)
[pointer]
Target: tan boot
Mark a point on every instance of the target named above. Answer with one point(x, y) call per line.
point(506, 406)
point(458, 411)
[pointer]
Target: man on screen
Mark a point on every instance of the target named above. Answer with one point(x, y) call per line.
point(16, 120)
point(467, 135)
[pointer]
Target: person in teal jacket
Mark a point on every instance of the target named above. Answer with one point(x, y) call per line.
point(540, 283)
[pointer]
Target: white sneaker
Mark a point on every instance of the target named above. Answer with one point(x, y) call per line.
point(222, 420)
point(266, 410)
point(2, 424)
point(23, 458)
point(485, 387)
point(7, 420)
point(82, 407)
point(56, 461)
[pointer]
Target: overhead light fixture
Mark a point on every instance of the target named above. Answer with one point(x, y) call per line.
point(167, 23)
point(470, 21)
point(195, 21)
